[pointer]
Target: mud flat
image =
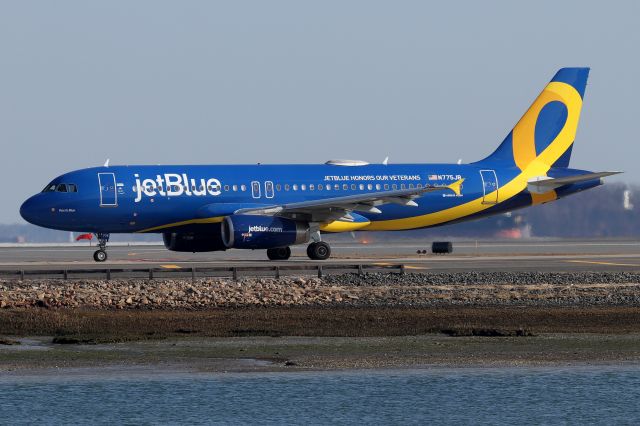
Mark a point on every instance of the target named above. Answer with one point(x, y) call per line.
point(345, 321)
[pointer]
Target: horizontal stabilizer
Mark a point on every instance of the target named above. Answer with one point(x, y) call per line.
point(544, 184)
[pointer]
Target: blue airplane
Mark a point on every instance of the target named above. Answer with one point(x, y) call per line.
point(200, 208)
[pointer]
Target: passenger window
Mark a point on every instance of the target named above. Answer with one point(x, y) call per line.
point(345, 186)
point(303, 187)
point(336, 187)
point(403, 186)
point(61, 187)
point(278, 187)
point(320, 187)
point(243, 188)
point(235, 188)
point(386, 186)
point(353, 186)
point(286, 187)
point(226, 187)
point(361, 187)
point(394, 186)
point(419, 185)
point(295, 187)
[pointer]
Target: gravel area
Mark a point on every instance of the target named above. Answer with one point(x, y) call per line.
point(348, 290)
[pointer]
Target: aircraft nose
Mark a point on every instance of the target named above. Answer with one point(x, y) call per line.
point(30, 210)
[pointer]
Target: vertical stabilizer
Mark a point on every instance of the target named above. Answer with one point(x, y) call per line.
point(546, 132)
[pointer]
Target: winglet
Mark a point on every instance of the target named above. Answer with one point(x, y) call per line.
point(456, 186)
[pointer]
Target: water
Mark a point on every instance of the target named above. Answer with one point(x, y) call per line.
point(587, 395)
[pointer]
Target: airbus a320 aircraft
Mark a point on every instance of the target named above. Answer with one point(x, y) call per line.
point(218, 207)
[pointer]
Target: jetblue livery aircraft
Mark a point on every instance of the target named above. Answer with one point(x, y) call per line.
point(219, 207)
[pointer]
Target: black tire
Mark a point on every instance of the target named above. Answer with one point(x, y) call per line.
point(319, 251)
point(279, 253)
point(441, 247)
point(100, 256)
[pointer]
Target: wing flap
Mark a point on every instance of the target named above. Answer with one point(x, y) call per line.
point(339, 206)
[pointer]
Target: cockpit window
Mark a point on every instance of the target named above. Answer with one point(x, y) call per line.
point(61, 187)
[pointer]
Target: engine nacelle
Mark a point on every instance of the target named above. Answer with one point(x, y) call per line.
point(193, 242)
point(262, 232)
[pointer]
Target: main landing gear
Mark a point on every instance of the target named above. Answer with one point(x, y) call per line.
point(319, 250)
point(279, 253)
point(101, 254)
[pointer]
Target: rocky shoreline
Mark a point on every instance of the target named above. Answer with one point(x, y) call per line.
point(346, 290)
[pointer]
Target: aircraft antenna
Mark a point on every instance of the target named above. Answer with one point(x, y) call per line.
point(106, 163)
point(385, 161)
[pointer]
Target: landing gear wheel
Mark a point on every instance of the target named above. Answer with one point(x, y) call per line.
point(100, 256)
point(319, 251)
point(280, 253)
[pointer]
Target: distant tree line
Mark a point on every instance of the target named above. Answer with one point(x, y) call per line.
point(599, 212)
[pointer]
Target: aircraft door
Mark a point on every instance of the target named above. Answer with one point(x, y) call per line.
point(255, 189)
point(268, 189)
point(489, 186)
point(108, 194)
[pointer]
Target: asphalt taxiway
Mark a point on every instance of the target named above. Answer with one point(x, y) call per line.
point(530, 255)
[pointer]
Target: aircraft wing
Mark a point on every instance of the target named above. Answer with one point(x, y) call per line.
point(542, 184)
point(339, 207)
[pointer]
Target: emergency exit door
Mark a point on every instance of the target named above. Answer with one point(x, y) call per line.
point(108, 194)
point(489, 186)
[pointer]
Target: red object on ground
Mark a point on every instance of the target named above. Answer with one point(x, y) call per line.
point(514, 233)
point(84, 237)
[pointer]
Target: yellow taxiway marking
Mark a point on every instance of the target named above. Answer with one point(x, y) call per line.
point(593, 262)
point(132, 254)
point(170, 266)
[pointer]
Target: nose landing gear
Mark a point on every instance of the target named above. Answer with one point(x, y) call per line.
point(101, 254)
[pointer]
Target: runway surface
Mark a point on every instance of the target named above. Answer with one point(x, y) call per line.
point(531, 255)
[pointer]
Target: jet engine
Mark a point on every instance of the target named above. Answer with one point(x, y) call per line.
point(262, 232)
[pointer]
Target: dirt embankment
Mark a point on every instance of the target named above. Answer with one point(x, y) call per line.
point(463, 304)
